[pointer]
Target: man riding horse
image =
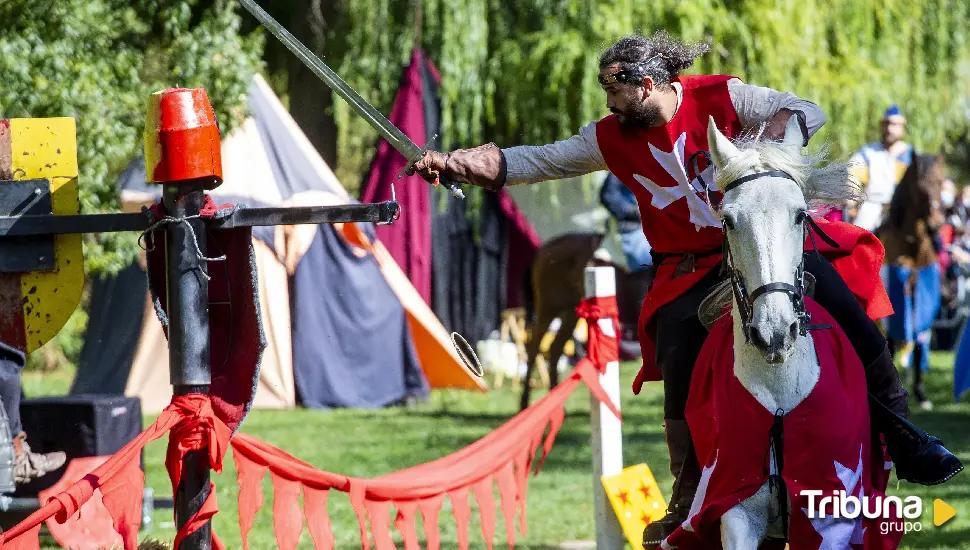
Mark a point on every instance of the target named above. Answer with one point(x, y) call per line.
point(659, 121)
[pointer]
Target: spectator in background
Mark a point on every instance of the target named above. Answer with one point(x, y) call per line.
point(879, 167)
point(961, 207)
point(28, 465)
point(622, 205)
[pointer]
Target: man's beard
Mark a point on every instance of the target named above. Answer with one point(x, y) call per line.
point(641, 117)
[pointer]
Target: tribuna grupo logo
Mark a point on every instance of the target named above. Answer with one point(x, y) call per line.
point(897, 513)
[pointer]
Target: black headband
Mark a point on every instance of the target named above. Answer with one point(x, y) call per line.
point(628, 76)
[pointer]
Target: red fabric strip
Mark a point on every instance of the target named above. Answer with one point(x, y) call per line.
point(404, 521)
point(287, 516)
point(249, 477)
point(523, 463)
point(507, 494)
point(463, 513)
point(506, 455)
point(197, 429)
point(122, 496)
point(358, 501)
point(68, 502)
point(591, 377)
point(317, 520)
point(603, 348)
point(29, 540)
point(555, 422)
point(485, 497)
point(430, 509)
point(379, 514)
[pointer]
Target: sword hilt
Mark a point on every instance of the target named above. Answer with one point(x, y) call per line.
point(409, 170)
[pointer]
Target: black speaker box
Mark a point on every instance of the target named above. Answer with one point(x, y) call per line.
point(81, 426)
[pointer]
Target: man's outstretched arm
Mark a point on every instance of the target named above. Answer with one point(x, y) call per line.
point(490, 167)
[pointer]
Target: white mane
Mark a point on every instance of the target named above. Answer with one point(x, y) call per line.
point(822, 183)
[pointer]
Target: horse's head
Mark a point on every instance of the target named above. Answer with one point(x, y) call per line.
point(764, 210)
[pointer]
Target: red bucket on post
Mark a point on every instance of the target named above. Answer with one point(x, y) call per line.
point(182, 138)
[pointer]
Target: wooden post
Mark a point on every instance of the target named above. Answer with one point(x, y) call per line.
point(607, 436)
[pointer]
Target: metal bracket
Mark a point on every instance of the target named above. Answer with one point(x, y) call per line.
point(26, 253)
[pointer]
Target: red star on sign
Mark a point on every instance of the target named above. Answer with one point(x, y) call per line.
point(624, 497)
point(645, 490)
point(644, 518)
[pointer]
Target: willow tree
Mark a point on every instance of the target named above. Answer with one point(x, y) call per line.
point(523, 71)
point(98, 61)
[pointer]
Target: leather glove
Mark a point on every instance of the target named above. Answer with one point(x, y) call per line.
point(482, 166)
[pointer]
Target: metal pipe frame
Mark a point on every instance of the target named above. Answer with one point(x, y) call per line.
point(20, 226)
point(188, 340)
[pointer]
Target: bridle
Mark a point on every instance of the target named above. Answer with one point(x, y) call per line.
point(744, 299)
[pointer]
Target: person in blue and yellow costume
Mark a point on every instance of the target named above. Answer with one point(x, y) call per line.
point(880, 165)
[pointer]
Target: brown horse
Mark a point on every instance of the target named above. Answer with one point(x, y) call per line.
point(914, 213)
point(908, 234)
point(554, 287)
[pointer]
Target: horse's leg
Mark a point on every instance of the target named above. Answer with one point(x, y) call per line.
point(569, 320)
point(538, 329)
point(744, 526)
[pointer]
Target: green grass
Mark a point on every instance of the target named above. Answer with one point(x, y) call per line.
point(371, 443)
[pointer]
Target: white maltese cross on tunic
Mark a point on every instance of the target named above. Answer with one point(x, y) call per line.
point(674, 163)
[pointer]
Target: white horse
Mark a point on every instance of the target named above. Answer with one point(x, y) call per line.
point(767, 190)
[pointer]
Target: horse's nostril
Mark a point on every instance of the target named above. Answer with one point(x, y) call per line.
point(793, 330)
point(757, 339)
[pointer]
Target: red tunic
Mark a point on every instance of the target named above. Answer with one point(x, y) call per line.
point(652, 163)
point(731, 434)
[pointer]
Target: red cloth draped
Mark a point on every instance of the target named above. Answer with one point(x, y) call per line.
point(504, 457)
point(236, 339)
point(732, 429)
point(191, 420)
point(198, 429)
point(603, 348)
point(857, 259)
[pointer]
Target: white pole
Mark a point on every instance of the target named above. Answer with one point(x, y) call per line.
point(605, 427)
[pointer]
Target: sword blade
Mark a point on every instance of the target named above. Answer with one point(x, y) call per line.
point(412, 153)
point(390, 132)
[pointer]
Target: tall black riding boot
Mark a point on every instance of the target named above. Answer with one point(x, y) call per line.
point(918, 456)
point(687, 475)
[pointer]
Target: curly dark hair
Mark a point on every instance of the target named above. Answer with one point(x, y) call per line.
point(661, 57)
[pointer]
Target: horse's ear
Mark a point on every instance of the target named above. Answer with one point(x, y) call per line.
point(793, 134)
point(722, 150)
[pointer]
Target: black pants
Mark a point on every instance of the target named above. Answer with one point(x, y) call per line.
point(680, 335)
point(12, 362)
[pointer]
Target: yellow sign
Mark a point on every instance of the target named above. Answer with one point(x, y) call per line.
point(35, 305)
point(942, 512)
point(636, 499)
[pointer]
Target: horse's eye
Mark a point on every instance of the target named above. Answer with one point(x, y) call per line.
point(801, 217)
point(729, 221)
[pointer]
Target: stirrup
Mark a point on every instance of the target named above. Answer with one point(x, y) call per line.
point(666, 525)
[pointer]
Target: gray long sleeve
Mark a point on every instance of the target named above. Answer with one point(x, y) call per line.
point(580, 154)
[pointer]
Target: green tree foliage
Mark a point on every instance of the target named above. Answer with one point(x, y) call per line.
point(99, 61)
point(523, 71)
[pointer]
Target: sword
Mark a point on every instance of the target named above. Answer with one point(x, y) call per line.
point(390, 132)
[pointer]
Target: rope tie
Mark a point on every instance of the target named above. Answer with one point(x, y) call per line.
point(195, 240)
point(776, 482)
